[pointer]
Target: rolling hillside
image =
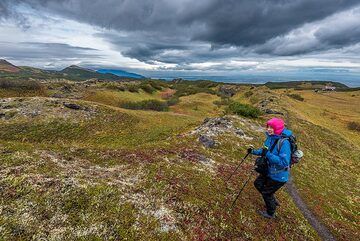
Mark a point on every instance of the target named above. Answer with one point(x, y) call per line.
point(77, 164)
point(73, 73)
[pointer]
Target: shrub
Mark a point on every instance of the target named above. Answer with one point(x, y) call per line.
point(155, 105)
point(185, 87)
point(114, 86)
point(296, 97)
point(249, 93)
point(133, 88)
point(223, 101)
point(244, 110)
point(147, 88)
point(254, 99)
point(354, 126)
point(121, 88)
point(159, 85)
point(172, 101)
point(20, 84)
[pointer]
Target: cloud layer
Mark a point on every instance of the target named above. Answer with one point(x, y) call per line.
point(184, 33)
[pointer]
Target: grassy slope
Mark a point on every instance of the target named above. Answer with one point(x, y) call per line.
point(115, 98)
point(109, 177)
point(329, 173)
point(330, 110)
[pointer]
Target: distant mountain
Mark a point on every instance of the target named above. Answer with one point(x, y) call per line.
point(121, 73)
point(35, 71)
point(80, 73)
point(73, 72)
point(7, 67)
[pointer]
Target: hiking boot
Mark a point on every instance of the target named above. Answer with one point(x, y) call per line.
point(266, 215)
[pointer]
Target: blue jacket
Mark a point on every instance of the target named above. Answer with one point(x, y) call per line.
point(278, 161)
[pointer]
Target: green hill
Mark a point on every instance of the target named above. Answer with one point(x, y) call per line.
point(77, 73)
point(78, 166)
point(73, 73)
point(6, 67)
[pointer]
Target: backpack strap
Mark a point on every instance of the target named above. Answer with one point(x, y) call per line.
point(273, 145)
point(271, 148)
point(281, 141)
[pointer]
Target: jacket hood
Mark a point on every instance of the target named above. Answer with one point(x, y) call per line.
point(286, 132)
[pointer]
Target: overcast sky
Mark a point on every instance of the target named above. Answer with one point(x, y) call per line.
point(202, 36)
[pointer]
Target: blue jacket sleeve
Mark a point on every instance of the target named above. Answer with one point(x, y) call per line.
point(257, 152)
point(283, 159)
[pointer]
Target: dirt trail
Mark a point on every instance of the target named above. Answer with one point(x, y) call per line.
point(317, 225)
point(322, 231)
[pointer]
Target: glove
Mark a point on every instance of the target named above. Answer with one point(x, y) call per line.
point(249, 150)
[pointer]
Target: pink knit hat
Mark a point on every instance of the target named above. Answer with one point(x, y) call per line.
point(277, 124)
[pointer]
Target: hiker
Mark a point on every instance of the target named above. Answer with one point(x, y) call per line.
point(276, 156)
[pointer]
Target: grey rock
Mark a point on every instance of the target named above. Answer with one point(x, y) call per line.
point(207, 141)
point(239, 132)
point(227, 90)
point(72, 106)
point(66, 89)
point(7, 107)
point(206, 120)
point(204, 159)
point(274, 112)
point(57, 95)
point(35, 113)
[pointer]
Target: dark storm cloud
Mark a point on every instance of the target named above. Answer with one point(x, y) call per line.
point(155, 29)
point(249, 22)
point(35, 50)
point(339, 37)
point(7, 11)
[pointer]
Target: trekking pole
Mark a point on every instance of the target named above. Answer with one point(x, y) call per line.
point(242, 188)
point(237, 167)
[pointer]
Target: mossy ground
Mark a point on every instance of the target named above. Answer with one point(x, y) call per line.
point(140, 175)
point(330, 170)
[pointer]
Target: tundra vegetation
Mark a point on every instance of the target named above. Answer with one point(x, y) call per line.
point(122, 160)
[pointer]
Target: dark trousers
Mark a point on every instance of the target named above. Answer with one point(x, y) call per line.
point(267, 187)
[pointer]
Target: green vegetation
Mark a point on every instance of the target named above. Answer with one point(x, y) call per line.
point(304, 85)
point(225, 101)
point(77, 73)
point(20, 84)
point(172, 101)
point(354, 126)
point(73, 73)
point(330, 167)
point(249, 93)
point(147, 88)
point(244, 110)
point(104, 172)
point(185, 87)
point(156, 105)
point(296, 97)
point(11, 88)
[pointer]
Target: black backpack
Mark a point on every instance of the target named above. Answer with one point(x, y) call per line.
point(296, 154)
